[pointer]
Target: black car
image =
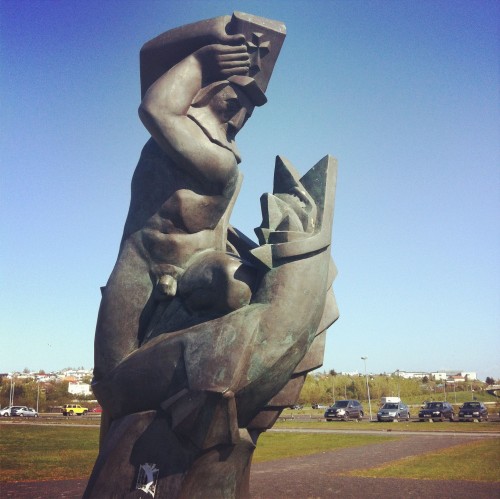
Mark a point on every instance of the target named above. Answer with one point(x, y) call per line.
point(473, 410)
point(344, 409)
point(437, 411)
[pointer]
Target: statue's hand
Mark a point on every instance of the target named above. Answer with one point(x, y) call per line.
point(220, 62)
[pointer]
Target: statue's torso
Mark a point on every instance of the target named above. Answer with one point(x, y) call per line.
point(172, 214)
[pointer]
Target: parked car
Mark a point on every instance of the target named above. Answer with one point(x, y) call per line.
point(473, 410)
point(319, 406)
point(393, 411)
point(5, 411)
point(345, 409)
point(14, 409)
point(24, 412)
point(437, 411)
point(74, 410)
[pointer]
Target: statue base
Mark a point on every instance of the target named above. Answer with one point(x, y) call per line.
point(143, 457)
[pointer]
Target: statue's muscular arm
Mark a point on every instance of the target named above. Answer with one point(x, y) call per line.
point(165, 106)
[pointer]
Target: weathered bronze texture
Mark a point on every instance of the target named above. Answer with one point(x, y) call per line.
point(203, 336)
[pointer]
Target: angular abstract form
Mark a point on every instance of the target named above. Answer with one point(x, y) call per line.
point(204, 336)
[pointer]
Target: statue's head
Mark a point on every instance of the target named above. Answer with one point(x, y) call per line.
point(222, 108)
point(229, 102)
point(232, 108)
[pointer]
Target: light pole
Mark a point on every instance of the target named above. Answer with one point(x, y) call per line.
point(12, 388)
point(399, 392)
point(367, 388)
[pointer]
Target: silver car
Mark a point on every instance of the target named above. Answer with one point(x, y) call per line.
point(24, 412)
point(393, 411)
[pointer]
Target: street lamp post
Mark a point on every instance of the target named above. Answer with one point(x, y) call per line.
point(399, 391)
point(37, 394)
point(12, 389)
point(367, 388)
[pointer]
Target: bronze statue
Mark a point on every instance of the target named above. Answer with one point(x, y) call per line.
point(203, 336)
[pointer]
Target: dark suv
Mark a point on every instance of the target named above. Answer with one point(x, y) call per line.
point(437, 411)
point(345, 409)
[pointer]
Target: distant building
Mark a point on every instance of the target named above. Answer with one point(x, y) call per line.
point(79, 389)
point(410, 375)
point(456, 378)
point(76, 373)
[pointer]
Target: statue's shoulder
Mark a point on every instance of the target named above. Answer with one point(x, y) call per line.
point(157, 170)
point(152, 151)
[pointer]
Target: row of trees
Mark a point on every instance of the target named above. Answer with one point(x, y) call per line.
point(327, 387)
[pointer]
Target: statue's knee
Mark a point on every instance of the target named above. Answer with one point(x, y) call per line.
point(217, 282)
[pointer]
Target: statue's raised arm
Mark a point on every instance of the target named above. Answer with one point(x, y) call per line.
point(206, 148)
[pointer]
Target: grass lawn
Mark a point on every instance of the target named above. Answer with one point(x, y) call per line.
point(477, 461)
point(38, 452)
point(271, 446)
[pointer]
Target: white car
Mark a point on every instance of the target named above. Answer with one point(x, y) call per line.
point(5, 411)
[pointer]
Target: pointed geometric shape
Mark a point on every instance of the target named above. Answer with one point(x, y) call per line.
point(263, 255)
point(286, 176)
point(264, 40)
point(319, 183)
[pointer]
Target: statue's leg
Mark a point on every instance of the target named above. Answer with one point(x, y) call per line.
point(140, 454)
point(122, 310)
point(223, 470)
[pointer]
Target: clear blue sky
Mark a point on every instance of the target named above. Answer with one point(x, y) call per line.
point(404, 93)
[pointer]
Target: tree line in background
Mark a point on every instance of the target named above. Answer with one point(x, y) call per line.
point(44, 394)
point(324, 388)
point(319, 388)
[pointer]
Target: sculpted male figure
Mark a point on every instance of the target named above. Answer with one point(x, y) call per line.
point(181, 191)
point(203, 336)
